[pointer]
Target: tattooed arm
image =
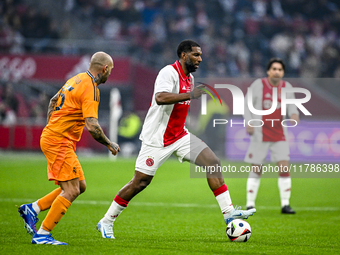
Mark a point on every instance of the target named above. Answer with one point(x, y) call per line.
point(97, 133)
point(51, 105)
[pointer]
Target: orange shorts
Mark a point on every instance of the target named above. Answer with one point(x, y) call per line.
point(62, 161)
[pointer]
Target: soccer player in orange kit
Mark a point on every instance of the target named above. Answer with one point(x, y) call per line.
point(72, 108)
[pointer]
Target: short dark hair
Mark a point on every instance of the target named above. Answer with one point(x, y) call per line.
point(276, 60)
point(186, 46)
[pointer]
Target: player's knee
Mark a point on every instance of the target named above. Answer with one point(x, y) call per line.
point(214, 161)
point(140, 181)
point(75, 193)
point(82, 189)
point(143, 184)
point(71, 194)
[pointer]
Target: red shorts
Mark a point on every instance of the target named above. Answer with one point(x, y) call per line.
point(62, 161)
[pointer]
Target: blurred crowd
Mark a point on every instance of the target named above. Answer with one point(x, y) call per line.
point(15, 106)
point(20, 22)
point(237, 37)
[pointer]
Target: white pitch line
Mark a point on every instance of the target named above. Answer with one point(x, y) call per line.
point(95, 202)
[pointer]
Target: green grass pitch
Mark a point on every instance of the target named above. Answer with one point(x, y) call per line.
point(176, 214)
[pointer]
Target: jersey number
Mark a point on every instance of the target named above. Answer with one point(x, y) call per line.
point(62, 94)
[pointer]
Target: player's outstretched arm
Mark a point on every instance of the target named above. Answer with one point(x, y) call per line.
point(163, 98)
point(173, 98)
point(97, 133)
point(51, 105)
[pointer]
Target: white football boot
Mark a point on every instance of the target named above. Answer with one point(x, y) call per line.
point(238, 214)
point(105, 229)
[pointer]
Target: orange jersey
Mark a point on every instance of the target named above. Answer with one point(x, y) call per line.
point(78, 99)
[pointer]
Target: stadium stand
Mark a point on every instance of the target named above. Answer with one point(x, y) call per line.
point(237, 37)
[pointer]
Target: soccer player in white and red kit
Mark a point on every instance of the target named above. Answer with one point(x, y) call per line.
point(271, 136)
point(164, 134)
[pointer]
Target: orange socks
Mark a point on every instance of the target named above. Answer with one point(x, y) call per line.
point(46, 202)
point(57, 211)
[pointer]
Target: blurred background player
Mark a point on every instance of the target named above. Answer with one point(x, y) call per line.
point(72, 108)
point(9, 106)
point(271, 136)
point(164, 134)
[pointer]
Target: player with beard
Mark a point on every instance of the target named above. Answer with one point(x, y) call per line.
point(164, 134)
point(72, 108)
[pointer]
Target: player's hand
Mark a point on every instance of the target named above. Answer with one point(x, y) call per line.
point(250, 130)
point(114, 148)
point(295, 117)
point(197, 92)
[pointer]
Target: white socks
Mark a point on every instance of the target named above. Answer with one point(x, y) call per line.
point(42, 231)
point(36, 207)
point(224, 201)
point(113, 212)
point(285, 184)
point(253, 184)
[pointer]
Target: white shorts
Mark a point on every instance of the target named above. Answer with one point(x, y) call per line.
point(257, 152)
point(185, 149)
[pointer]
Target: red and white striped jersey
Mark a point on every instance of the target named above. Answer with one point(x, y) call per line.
point(165, 124)
point(262, 92)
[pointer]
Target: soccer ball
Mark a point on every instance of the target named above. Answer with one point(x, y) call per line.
point(238, 231)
